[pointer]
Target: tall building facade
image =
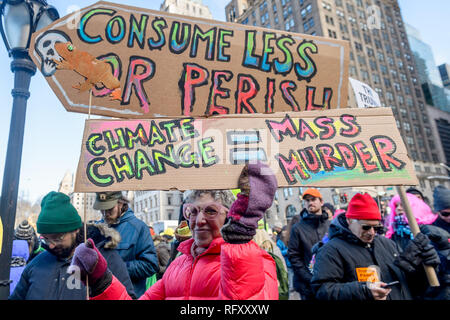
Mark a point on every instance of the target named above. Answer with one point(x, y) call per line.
point(441, 120)
point(193, 8)
point(154, 206)
point(427, 70)
point(380, 55)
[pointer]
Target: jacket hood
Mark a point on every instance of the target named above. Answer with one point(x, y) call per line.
point(339, 229)
point(305, 215)
point(103, 235)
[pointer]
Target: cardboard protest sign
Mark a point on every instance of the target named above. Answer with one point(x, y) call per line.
point(365, 96)
point(334, 148)
point(141, 63)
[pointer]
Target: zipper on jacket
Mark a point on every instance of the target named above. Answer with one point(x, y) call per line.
point(194, 262)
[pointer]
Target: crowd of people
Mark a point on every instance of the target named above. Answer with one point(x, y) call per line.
point(223, 248)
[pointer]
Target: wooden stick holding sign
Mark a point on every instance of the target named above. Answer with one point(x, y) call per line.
point(85, 241)
point(429, 270)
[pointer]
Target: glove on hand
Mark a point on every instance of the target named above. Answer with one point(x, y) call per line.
point(258, 186)
point(430, 256)
point(90, 262)
point(419, 250)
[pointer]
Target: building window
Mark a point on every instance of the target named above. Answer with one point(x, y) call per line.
point(332, 34)
point(329, 20)
point(309, 24)
point(407, 128)
point(358, 46)
point(361, 60)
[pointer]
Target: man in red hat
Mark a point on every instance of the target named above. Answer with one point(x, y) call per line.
point(311, 228)
point(358, 264)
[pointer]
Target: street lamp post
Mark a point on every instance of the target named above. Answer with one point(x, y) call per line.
point(18, 20)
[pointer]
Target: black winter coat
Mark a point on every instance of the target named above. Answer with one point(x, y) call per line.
point(304, 235)
point(334, 273)
point(439, 239)
point(46, 277)
point(442, 224)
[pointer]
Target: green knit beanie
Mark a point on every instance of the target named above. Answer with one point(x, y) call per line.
point(57, 215)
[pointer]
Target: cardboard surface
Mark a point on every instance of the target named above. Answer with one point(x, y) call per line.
point(172, 65)
point(333, 148)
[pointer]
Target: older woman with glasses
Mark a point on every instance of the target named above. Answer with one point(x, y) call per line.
point(220, 261)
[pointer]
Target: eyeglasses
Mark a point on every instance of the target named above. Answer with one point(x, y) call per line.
point(445, 213)
point(55, 241)
point(210, 210)
point(377, 228)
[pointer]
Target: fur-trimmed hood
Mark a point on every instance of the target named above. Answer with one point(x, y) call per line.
point(103, 235)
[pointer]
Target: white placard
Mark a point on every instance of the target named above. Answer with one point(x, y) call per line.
point(366, 97)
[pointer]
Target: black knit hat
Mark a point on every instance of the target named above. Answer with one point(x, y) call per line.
point(413, 190)
point(24, 231)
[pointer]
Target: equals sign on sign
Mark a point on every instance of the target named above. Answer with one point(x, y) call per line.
point(245, 147)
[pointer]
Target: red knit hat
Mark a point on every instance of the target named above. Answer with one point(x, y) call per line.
point(363, 207)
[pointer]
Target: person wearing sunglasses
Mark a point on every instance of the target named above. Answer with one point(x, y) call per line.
point(220, 261)
point(441, 196)
point(357, 263)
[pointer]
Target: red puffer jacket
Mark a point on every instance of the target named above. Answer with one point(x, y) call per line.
point(223, 271)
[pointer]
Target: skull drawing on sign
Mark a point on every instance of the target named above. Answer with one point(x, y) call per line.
point(45, 47)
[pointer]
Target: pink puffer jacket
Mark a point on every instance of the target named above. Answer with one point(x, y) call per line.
point(223, 271)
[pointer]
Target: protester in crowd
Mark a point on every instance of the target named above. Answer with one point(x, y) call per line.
point(338, 212)
point(152, 232)
point(282, 243)
point(182, 233)
point(311, 228)
point(276, 229)
point(416, 192)
point(163, 252)
point(220, 261)
point(441, 205)
point(293, 294)
point(357, 264)
point(397, 224)
point(329, 209)
point(168, 235)
point(61, 228)
point(136, 246)
point(439, 233)
point(263, 239)
point(19, 257)
point(25, 231)
point(179, 237)
point(440, 239)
